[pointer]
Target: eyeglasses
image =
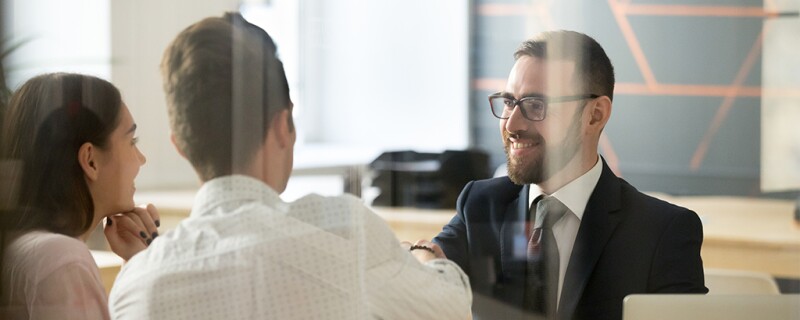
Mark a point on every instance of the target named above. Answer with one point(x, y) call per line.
point(533, 108)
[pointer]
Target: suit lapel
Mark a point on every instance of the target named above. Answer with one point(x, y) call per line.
point(597, 226)
point(513, 227)
point(513, 252)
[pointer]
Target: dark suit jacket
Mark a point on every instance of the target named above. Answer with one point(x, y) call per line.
point(627, 243)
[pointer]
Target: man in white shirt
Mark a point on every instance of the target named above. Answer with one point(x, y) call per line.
point(244, 253)
point(561, 236)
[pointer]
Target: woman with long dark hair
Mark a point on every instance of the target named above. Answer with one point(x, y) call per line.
point(73, 141)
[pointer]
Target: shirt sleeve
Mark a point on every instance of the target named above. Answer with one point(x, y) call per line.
point(400, 287)
point(73, 291)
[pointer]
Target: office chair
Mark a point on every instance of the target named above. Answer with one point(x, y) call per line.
point(725, 281)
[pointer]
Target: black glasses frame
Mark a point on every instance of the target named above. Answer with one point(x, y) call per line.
point(544, 100)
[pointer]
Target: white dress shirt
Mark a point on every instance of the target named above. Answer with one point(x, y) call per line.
point(575, 195)
point(243, 253)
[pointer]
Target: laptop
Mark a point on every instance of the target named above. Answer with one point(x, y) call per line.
point(710, 307)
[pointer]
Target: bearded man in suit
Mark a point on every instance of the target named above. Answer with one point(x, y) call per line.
point(562, 237)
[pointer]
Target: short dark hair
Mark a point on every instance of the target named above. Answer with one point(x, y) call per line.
point(592, 66)
point(49, 118)
point(224, 84)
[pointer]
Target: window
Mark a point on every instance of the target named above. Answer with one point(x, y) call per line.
point(362, 75)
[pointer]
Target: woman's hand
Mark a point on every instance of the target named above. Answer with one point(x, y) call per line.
point(130, 232)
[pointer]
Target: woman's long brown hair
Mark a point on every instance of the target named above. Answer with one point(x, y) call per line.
point(46, 122)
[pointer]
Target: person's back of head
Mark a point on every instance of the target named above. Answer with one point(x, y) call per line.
point(224, 84)
point(47, 121)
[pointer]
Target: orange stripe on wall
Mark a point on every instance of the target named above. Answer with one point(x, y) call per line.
point(662, 89)
point(633, 43)
point(489, 84)
point(503, 9)
point(683, 90)
point(640, 9)
point(706, 11)
point(730, 97)
point(543, 11)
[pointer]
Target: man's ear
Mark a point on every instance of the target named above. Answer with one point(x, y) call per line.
point(175, 144)
point(283, 128)
point(87, 158)
point(599, 113)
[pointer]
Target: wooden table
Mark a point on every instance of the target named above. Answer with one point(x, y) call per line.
point(412, 224)
point(739, 233)
point(109, 264)
point(748, 234)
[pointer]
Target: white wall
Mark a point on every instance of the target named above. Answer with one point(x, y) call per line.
point(375, 75)
point(780, 105)
point(66, 36)
point(390, 74)
point(141, 30)
point(366, 75)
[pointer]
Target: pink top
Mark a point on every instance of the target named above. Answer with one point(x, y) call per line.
point(51, 276)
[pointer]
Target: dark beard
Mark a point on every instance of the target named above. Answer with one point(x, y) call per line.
point(524, 173)
point(542, 168)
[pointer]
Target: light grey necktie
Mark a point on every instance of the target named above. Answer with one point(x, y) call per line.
point(543, 258)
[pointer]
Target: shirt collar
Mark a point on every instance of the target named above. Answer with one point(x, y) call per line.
point(232, 188)
point(575, 194)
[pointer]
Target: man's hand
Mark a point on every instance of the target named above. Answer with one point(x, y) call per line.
point(130, 232)
point(422, 254)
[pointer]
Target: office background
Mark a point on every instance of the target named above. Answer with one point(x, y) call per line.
point(687, 105)
point(687, 116)
point(688, 110)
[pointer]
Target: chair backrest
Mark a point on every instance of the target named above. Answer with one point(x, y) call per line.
point(710, 307)
point(724, 281)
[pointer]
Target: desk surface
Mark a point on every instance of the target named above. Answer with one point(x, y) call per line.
point(727, 220)
point(739, 233)
point(748, 234)
point(109, 264)
point(745, 221)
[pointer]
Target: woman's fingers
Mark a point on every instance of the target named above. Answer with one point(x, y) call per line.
point(121, 237)
point(131, 224)
point(153, 211)
point(143, 217)
point(140, 224)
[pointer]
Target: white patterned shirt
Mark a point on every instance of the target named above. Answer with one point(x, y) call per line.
point(243, 253)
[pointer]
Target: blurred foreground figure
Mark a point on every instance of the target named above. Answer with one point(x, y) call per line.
point(244, 253)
